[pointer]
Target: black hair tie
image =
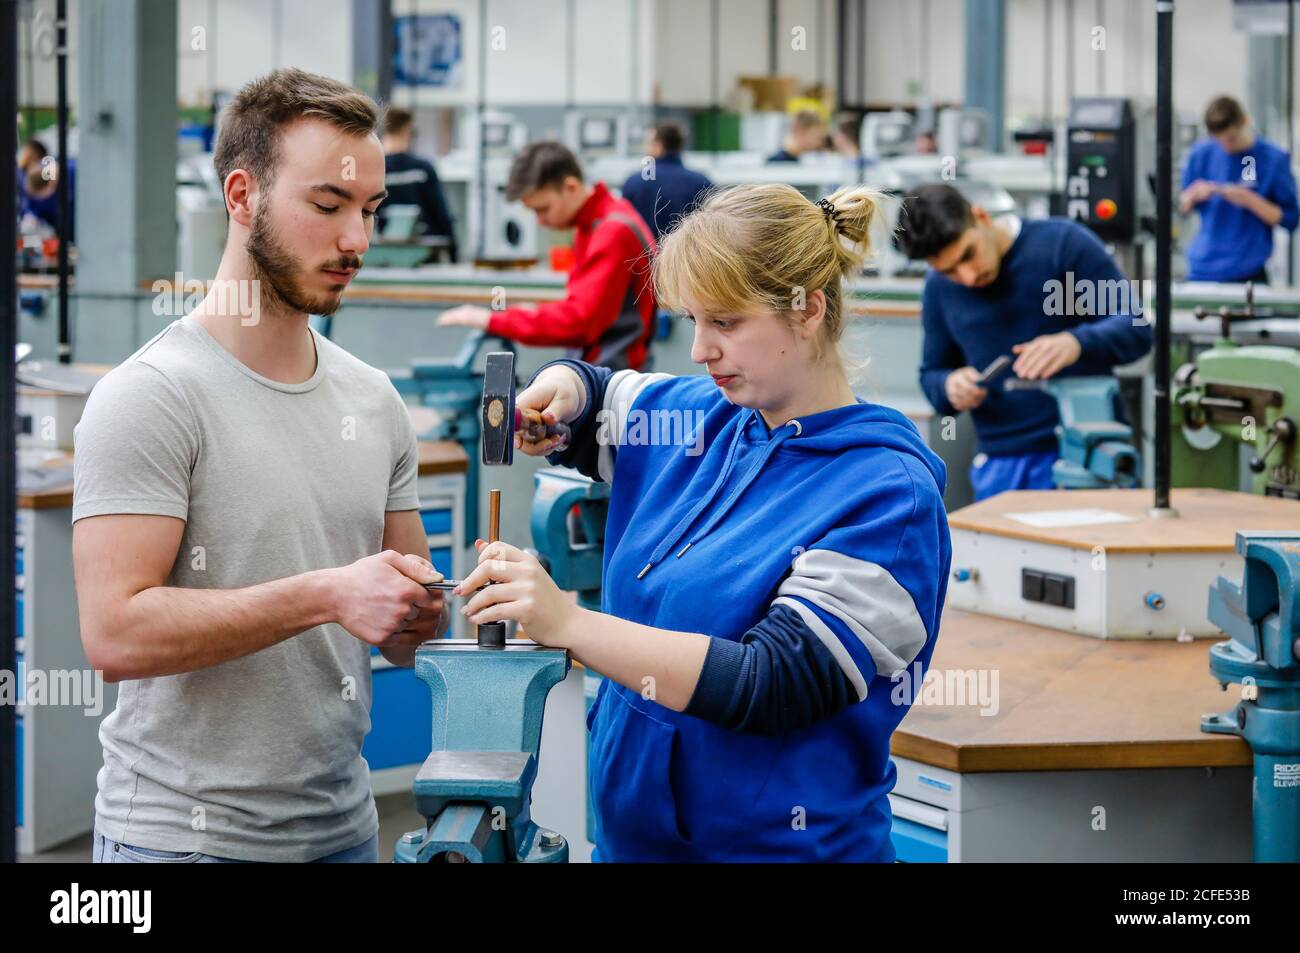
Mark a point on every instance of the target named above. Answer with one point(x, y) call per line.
point(830, 211)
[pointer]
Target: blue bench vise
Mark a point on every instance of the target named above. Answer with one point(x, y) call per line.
point(568, 523)
point(489, 695)
point(1262, 619)
point(475, 788)
point(1096, 447)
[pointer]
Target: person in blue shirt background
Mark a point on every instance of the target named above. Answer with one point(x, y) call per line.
point(989, 292)
point(1243, 188)
point(673, 190)
point(772, 567)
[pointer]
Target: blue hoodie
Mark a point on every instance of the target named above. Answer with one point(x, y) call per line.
point(833, 524)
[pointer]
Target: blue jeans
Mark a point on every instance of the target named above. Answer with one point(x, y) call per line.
point(106, 851)
point(990, 476)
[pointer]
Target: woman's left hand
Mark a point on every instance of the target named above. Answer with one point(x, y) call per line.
point(523, 592)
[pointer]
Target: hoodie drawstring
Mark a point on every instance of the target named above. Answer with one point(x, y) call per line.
point(751, 474)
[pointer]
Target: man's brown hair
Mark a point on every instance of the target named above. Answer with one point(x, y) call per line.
point(252, 123)
point(1222, 114)
point(541, 165)
point(397, 120)
point(670, 136)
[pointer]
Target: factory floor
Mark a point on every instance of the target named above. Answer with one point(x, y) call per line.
point(397, 815)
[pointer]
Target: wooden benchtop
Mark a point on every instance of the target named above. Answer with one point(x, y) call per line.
point(1208, 521)
point(1070, 702)
point(436, 456)
point(48, 499)
point(442, 456)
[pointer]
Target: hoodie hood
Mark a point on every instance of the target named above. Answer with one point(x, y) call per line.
point(859, 425)
point(829, 432)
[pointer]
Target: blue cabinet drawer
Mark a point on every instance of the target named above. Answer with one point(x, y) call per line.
point(441, 559)
point(917, 844)
point(401, 720)
point(436, 522)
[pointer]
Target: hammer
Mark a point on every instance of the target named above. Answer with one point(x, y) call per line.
point(500, 421)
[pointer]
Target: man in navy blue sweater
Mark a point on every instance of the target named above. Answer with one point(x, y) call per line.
point(1243, 188)
point(1044, 292)
point(669, 190)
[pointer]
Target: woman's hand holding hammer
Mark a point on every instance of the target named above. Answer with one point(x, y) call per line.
point(555, 397)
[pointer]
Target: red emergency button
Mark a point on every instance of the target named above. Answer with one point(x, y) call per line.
point(1105, 209)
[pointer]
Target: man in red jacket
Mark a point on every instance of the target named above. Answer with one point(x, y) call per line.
point(607, 318)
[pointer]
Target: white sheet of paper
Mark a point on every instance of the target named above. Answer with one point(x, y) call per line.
point(1085, 517)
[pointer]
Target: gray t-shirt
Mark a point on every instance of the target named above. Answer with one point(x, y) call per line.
point(258, 758)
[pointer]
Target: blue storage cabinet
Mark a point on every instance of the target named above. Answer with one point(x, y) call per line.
point(918, 844)
point(921, 804)
point(58, 750)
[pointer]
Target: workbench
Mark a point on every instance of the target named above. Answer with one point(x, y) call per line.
point(1094, 753)
point(58, 746)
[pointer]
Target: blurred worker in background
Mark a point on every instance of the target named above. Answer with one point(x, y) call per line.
point(924, 143)
point(32, 151)
point(987, 295)
point(807, 135)
point(411, 180)
point(38, 191)
point(1243, 188)
point(607, 317)
point(845, 139)
point(664, 190)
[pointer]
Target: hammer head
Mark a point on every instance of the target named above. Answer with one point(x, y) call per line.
point(498, 410)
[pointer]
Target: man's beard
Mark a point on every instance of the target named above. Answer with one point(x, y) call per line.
point(277, 272)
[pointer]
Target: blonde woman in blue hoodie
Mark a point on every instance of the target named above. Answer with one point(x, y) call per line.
point(768, 570)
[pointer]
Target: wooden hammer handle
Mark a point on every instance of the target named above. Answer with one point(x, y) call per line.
point(530, 423)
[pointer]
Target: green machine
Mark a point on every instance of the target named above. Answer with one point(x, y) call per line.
point(1232, 395)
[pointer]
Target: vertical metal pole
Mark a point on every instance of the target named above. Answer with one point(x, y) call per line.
point(1164, 243)
point(1290, 122)
point(64, 189)
point(8, 479)
point(985, 46)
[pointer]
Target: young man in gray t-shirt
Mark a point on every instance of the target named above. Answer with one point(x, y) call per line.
point(246, 522)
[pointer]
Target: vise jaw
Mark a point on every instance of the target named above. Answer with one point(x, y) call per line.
point(1262, 619)
point(475, 788)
